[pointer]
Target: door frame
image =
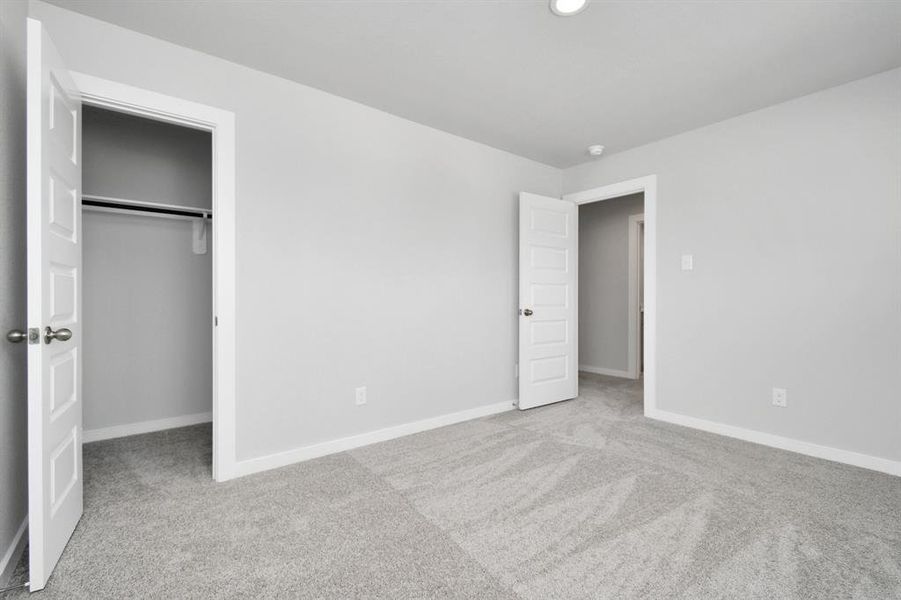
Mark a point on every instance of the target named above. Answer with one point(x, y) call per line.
point(648, 186)
point(220, 123)
point(634, 326)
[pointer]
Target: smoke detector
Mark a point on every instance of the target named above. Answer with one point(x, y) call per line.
point(595, 150)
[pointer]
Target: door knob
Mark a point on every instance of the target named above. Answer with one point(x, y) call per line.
point(62, 334)
point(528, 312)
point(16, 335)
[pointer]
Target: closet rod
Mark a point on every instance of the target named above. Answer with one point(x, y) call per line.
point(105, 202)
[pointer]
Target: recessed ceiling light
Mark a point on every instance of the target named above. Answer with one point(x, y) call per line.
point(567, 8)
point(595, 150)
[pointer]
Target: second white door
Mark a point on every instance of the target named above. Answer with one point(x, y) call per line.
point(548, 300)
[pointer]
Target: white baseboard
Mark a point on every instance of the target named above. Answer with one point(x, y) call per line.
point(13, 553)
point(605, 371)
point(281, 459)
point(847, 457)
point(117, 431)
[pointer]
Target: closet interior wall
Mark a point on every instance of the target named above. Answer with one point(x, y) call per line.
point(147, 296)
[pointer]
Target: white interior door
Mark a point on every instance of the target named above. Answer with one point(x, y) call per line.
point(54, 305)
point(548, 300)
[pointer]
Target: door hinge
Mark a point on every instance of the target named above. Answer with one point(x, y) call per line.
point(34, 335)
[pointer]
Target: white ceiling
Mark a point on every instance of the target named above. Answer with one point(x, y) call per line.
point(512, 75)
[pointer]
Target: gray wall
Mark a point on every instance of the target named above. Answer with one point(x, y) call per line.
point(147, 297)
point(604, 281)
point(371, 250)
point(141, 159)
point(13, 408)
point(793, 215)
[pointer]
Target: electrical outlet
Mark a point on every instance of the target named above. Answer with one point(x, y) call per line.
point(780, 397)
point(688, 262)
point(361, 395)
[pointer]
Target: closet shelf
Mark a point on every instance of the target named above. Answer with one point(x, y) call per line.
point(109, 204)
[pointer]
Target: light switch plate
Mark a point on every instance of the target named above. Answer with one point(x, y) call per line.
point(688, 262)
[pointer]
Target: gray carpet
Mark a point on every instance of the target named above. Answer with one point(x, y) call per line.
point(583, 499)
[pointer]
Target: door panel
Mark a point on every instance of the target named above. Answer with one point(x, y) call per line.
point(54, 302)
point(548, 279)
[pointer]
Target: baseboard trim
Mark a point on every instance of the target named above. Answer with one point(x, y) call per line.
point(865, 461)
point(13, 553)
point(117, 431)
point(282, 459)
point(606, 371)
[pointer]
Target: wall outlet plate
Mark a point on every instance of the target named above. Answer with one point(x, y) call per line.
point(780, 397)
point(688, 262)
point(360, 395)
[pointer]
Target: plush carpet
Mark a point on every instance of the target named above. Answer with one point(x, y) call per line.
point(582, 499)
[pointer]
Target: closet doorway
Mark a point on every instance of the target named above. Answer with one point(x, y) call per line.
point(147, 301)
point(55, 101)
point(128, 100)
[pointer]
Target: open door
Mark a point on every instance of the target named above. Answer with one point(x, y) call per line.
point(54, 305)
point(548, 300)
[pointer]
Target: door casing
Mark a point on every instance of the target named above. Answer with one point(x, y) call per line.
point(220, 123)
point(648, 186)
point(636, 222)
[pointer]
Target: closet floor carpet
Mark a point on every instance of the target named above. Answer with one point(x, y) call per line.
point(582, 499)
